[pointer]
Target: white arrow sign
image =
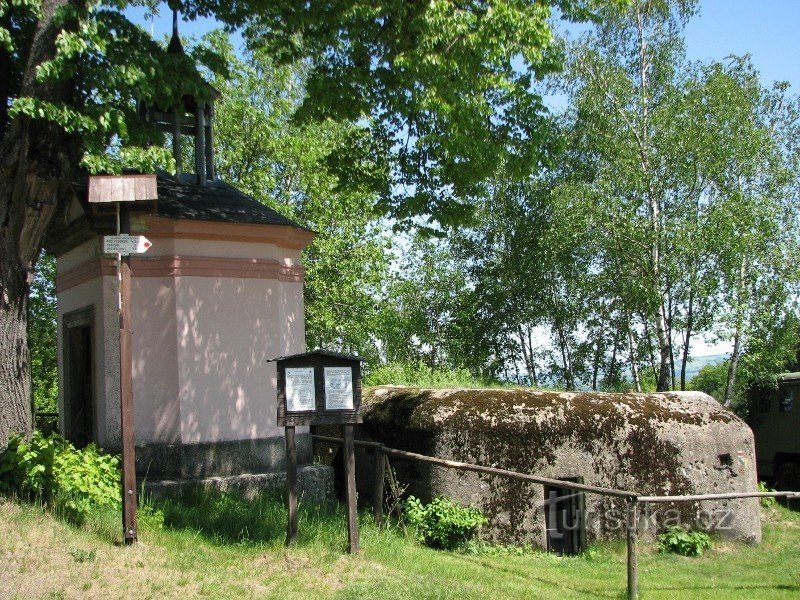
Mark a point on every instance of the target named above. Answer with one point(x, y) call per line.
point(125, 244)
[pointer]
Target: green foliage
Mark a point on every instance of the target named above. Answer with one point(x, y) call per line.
point(443, 524)
point(149, 516)
point(767, 501)
point(71, 481)
point(686, 543)
point(483, 548)
point(390, 68)
point(395, 67)
point(418, 374)
point(712, 380)
point(42, 318)
point(293, 169)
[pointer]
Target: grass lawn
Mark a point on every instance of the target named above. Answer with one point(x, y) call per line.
point(222, 547)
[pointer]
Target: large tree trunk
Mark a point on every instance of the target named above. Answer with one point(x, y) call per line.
point(37, 166)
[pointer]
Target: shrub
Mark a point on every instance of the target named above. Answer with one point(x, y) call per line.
point(766, 501)
point(418, 374)
point(443, 523)
point(686, 543)
point(71, 481)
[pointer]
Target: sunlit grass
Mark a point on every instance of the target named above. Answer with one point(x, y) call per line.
point(222, 546)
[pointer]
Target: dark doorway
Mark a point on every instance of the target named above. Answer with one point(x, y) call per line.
point(565, 518)
point(79, 377)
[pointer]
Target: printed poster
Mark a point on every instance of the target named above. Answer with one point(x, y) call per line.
point(338, 388)
point(300, 390)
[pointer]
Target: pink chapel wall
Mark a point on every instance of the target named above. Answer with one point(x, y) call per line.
point(206, 316)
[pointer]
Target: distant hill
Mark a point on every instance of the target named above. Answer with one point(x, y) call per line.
point(694, 366)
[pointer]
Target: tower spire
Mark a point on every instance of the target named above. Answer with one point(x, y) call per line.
point(175, 46)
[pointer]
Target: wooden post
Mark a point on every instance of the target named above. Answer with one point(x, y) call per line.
point(126, 391)
point(210, 175)
point(200, 143)
point(377, 497)
point(176, 141)
point(291, 486)
point(350, 483)
point(633, 570)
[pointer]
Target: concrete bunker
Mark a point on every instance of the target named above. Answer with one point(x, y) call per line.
point(654, 444)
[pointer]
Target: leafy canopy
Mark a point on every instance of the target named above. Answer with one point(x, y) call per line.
point(443, 87)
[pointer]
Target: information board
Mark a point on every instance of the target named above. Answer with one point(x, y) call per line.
point(300, 389)
point(125, 244)
point(338, 388)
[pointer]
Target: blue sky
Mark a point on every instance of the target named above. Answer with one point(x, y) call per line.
point(767, 29)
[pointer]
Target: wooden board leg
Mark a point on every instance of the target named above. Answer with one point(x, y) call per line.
point(350, 479)
point(291, 486)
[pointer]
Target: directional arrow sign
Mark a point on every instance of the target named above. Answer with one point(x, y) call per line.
point(125, 244)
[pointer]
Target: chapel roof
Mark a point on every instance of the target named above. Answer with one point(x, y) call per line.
point(212, 201)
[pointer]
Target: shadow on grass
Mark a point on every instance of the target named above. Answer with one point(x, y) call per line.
point(224, 518)
point(778, 587)
point(561, 584)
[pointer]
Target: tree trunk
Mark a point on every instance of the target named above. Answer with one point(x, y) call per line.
point(663, 379)
point(526, 344)
point(734, 363)
point(37, 167)
point(569, 379)
point(634, 358)
point(730, 386)
point(687, 337)
point(611, 375)
point(596, 365)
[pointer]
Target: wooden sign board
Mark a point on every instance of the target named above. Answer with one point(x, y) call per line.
point(319, 388)
point(121, 188)
point(139, 190)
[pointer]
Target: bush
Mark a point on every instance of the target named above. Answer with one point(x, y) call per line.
point(71, 481)
point(421, 375)
point(766, 501)
point(443, 524)
point(685, 543)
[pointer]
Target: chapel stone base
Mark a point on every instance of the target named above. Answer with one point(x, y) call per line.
point(314, 485)
point(218, 459)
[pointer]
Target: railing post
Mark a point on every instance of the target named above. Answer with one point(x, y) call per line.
point(378, 490)
point(633, 570)
point(291, 486)
point(350, 487)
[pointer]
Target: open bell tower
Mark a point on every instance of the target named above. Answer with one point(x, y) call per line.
point(188, 121)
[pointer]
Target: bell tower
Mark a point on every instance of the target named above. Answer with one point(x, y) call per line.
point(190, 120)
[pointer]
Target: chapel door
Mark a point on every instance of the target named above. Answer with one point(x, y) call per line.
point(79, 399)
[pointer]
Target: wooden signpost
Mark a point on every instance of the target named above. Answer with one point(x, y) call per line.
point(320, 388)
point(122, 191)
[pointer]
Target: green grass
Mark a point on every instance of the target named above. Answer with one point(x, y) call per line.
point(221, 547)
point(421, 375)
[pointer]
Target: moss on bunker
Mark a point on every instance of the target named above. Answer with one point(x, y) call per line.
point(618, 440)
